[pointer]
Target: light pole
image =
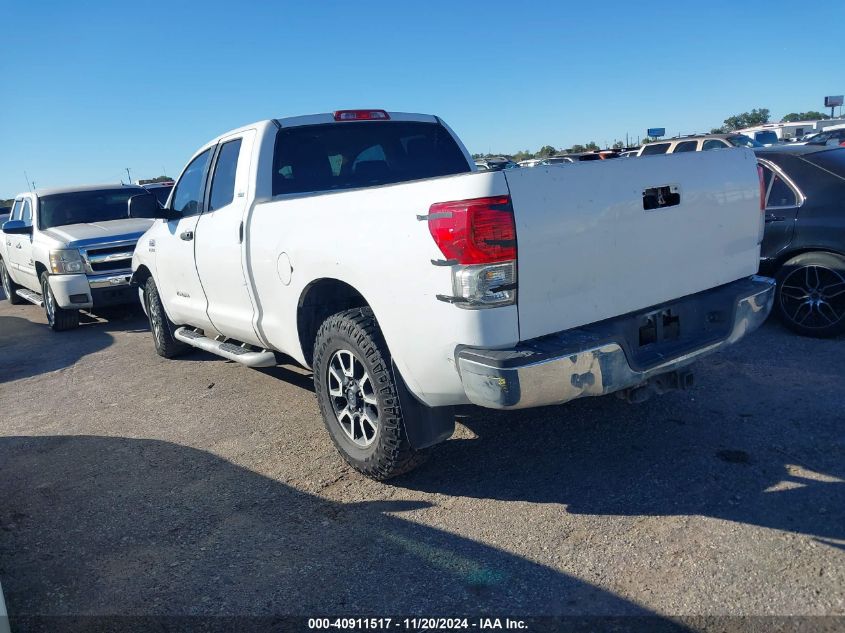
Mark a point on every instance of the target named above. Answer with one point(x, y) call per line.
point(128, 175)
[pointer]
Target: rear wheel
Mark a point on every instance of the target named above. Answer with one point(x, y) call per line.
point(10, 288)
point(161, 326)
point(59, 319)
point(357, 395)
point(811, 294)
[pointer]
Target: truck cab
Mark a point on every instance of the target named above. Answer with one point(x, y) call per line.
point(70, 249)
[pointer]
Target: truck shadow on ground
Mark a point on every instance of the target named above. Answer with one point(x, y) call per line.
point(30, 348)
point(94, 525)
point(758, 450)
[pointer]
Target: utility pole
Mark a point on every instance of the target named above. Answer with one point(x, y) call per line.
point(128, 175)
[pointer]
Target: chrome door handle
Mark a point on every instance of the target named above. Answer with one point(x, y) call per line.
point(187, 235)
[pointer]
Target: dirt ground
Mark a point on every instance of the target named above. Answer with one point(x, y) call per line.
point(134, 485)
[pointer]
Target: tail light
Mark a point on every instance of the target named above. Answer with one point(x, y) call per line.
point(478, 237)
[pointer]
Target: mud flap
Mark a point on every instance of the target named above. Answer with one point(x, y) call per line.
point(425, 426)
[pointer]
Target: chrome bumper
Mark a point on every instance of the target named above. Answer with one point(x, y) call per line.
point(598, 369)
point(111, 280)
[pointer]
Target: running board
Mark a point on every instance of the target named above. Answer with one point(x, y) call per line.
point(230, 351)
point(29, 295)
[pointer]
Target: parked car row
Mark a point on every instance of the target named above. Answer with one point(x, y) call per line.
point(369, 247)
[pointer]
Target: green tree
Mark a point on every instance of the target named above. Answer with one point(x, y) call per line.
point(523, 155)
point(811, 115)
point(747, 119)
point(618, 145)
point(591, 146)
point(576, 149)
point(546, 150)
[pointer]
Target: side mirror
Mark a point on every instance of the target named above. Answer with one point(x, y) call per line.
point(17, 227)
point(145, 206)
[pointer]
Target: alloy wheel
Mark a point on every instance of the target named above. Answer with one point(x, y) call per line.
point(49, 302)
point(813, 296)
point(4, 278)
point(353, 398)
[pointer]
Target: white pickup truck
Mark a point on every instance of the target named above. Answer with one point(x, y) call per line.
point(70, 249)
point(365, 245)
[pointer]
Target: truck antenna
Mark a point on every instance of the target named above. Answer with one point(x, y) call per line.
point(29, 184)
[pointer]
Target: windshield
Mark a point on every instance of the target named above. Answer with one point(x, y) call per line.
point(823, 137)
point(766, 138)
point(76, 207)
point(741, 140)
point(161, 193)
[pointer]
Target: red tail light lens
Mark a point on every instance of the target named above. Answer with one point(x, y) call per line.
point(361, 115)
point(762, 187)
point(478, 231)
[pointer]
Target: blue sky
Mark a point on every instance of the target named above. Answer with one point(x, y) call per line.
point(92, 88)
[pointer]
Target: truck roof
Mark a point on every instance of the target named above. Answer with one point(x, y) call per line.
point(76, 188)
point(317, 119)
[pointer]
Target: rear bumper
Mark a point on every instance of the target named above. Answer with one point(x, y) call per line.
point(609, 356)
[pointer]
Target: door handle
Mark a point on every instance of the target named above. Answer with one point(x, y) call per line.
point(773, 218)
point(18, 245)
point(187, 235)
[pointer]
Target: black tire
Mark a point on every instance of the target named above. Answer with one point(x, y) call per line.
point(811, 294)
point(389, 453)
point(10, 288)
point(161, 326)
point(59, 319)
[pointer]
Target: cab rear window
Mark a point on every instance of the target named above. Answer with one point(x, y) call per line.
point(336, 156)
point(657, 148)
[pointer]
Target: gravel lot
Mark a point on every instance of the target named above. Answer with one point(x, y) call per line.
point(130, 484)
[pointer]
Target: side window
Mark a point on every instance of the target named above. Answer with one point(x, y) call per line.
point(16, 210)
point(187, 198)
point(713, 143)
point(658, 148)
point(223, 181)
point(780, 194)
point(26, 214)
point(686, 146)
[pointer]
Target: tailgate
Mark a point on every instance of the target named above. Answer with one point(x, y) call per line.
point(588, 250)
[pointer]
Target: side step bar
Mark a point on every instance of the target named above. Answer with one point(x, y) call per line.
point(244, 355)
point(29, 295)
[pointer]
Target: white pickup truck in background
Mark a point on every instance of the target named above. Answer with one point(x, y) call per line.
point(70, 249)
point(365, 245)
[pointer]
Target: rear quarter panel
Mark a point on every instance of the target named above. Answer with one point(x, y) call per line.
point(372, 240)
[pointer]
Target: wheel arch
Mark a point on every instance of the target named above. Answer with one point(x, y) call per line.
point(319, 300)
point(804, 250)
point(140, 276)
